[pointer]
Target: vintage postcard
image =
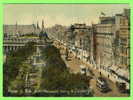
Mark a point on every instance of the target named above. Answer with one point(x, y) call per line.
point(66, 50)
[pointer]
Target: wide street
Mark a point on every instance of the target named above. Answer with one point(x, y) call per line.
point(74, 65)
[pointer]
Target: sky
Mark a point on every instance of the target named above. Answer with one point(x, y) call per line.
point(64, 14)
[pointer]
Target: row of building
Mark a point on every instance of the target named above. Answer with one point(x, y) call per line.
point(104, 45)
point(20, 30)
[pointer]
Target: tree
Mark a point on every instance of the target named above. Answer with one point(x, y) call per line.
point(56, 76)
point(52, 57)
point(18, 84)
point(14, 63)
point(55, 79)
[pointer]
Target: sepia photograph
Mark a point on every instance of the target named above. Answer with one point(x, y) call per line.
point(66, 50)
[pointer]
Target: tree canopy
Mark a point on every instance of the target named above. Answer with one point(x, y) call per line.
point(14, 63)
point(56, 76)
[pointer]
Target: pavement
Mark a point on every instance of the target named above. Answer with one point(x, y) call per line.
point(74, 65)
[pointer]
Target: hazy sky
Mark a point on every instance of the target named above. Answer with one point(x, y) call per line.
point(64, 14)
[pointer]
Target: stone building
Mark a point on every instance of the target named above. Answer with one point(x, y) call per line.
point(15, 30)
point(79, 39)
point(112, 40)
point(57, 32)
point(111, 46)
point(122, 40)
point(104, 43)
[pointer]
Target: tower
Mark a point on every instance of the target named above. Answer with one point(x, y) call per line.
point(38, 25)
point(34, 27)
point(43, 25)
point(16, 29)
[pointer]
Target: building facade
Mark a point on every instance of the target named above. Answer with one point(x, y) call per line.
point(122, 40)
point(78, 36)
point(111, 46)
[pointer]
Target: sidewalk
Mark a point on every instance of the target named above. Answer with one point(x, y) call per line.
point(74, 65)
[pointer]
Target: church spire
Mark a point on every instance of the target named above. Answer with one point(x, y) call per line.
point(42, 25)
point(16, 27)
point(16, 24)
point(38, 25)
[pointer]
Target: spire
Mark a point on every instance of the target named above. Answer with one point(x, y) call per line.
point(38, 25)
point(16, 27)
point(34, 26)
point(16, 24)
point(42, 25)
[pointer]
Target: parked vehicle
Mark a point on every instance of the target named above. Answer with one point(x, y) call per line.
point(102, 85)
point(82, 69)
point(121, 87)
